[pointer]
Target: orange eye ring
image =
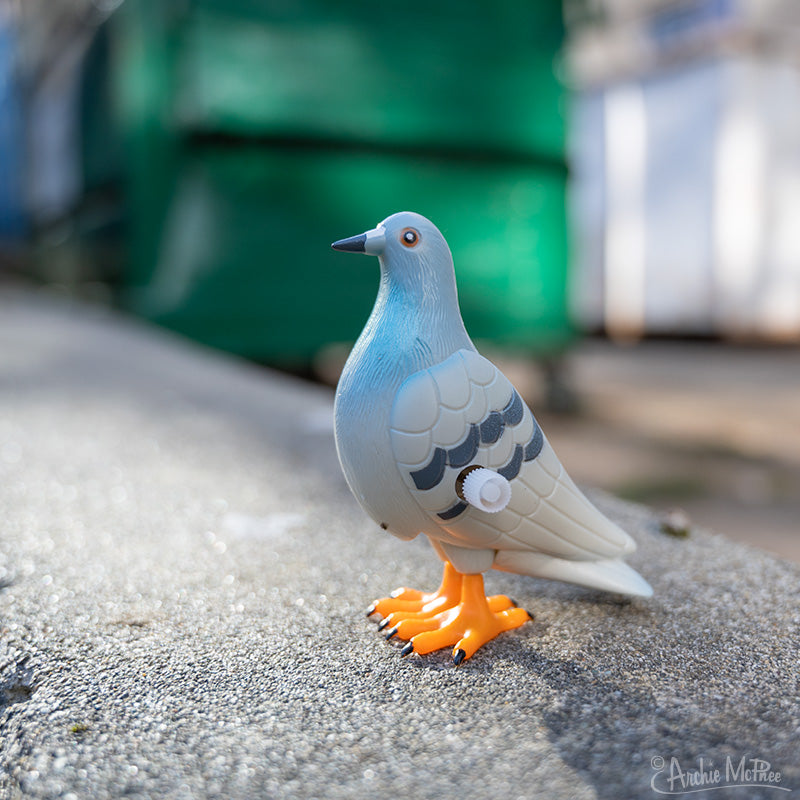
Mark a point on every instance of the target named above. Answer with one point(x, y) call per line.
point(409, 237)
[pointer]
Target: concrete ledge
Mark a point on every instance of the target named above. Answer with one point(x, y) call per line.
point(185, 576)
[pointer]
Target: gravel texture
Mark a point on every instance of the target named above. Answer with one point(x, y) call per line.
point(184, 577)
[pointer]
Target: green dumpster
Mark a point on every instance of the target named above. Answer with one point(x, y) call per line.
point(259, 132)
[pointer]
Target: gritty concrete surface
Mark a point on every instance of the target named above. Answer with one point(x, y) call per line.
point(184, 576)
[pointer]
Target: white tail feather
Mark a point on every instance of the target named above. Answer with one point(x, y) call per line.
point(609, 575)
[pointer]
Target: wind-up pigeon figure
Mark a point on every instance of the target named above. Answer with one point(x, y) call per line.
point(433, 439)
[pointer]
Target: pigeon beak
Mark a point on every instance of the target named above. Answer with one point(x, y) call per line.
point(372, 243)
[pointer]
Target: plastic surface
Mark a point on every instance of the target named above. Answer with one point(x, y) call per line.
point(417, 405)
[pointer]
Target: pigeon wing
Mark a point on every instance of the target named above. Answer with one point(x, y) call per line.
point(464, 411)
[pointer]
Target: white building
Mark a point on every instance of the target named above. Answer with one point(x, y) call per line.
point(686, 157)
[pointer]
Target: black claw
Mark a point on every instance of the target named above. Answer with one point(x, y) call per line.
point(514, 602)
point(371, 610)
point(529, 614)
point(391, 633)
point(459, 657)
point(407, 650)
point(383, 623)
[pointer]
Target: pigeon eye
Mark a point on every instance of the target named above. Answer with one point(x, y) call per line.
point(409, 237)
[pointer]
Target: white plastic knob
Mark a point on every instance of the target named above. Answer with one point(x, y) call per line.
point(486, 490)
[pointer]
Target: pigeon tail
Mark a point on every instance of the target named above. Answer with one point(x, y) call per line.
point(608, 575)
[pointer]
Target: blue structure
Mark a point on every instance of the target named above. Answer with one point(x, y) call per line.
point(12, 217)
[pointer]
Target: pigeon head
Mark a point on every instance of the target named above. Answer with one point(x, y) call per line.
point(416, 314)
point(411, 250)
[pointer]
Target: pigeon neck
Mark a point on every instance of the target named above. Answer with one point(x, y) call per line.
point(422, 316)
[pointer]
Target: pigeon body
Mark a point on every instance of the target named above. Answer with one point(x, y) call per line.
point(418, 408)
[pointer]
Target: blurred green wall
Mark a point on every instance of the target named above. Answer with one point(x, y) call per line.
point(258, 132)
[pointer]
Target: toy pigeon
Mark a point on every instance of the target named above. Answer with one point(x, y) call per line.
point(434, 439)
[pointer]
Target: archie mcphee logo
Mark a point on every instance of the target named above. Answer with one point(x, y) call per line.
point(673, 778)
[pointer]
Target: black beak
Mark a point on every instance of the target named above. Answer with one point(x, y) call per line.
point(355, 244)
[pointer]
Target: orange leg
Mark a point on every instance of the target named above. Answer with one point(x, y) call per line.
point(467, 626)
point(412, 601)
point(457, 614)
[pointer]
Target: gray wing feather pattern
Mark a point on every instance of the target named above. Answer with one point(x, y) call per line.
point(463, 411)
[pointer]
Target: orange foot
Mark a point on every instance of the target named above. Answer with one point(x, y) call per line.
point(457, 614)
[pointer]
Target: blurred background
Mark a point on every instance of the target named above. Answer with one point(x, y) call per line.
point(619, 181)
